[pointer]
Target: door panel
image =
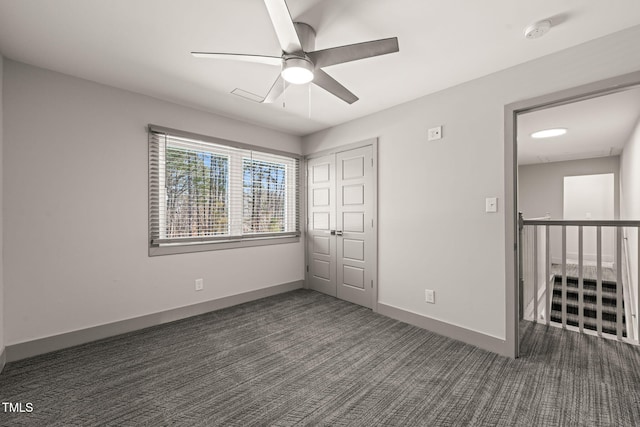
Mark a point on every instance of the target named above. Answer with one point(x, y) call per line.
point(353, 194)
point(321, 197)
point(321, 246)
point(355, 253)
point(353, 249)
point(353, 276)
point(353, 221)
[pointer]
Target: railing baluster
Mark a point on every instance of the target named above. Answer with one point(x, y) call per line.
point(625, 302)
point(599, 279)
point(535, 273)
point(521, 268)
point(619, 282)
point(580, 280)
point(547, 276)
point(564, 276)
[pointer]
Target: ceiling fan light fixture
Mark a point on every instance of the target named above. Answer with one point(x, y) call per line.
point(297, 71)
point(548, 133)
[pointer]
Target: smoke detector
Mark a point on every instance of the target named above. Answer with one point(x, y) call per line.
point(537, 30)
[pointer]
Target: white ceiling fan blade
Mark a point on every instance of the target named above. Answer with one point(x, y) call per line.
point(283, 24)
point(261, 59)
point(328, 83)
point(276, 90)
point(352, 52)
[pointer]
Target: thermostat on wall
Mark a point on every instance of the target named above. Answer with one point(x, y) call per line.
point(491, 204)
point(434, 133)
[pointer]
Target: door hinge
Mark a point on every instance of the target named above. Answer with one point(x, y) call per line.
point(371, 222)
point(372, 162)
point(372, 283)
point(307, 268)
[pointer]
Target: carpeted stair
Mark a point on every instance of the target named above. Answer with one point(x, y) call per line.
point(609, 315)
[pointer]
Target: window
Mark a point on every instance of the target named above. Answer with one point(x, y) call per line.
point(206, 193)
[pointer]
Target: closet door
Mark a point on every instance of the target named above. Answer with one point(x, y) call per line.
point(340, 233)
point(355, 251)
point(321, 221)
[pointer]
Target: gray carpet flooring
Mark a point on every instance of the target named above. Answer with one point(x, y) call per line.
point(303, 358)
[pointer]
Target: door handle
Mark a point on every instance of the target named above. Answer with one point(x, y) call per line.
point(339, 233)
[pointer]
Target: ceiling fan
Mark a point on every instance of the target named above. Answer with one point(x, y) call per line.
point(299, 61)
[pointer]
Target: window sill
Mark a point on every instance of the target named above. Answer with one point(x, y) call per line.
point(171, 249)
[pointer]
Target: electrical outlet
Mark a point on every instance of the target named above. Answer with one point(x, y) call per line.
point(199, 284)
point(430, 296)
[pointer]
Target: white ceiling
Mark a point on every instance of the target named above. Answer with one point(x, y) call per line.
point(144, 45)
point(596, 127)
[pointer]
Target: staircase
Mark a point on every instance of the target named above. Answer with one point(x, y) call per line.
point(609, 315)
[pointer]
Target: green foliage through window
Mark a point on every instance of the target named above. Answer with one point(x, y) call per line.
point(264, 196)
point(196, 185)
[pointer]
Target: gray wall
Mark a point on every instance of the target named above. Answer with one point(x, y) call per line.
point(2, 345)
point(433, 229)
point(541, 190)
point(630, 199)
point(75, 209)
point(541, 185)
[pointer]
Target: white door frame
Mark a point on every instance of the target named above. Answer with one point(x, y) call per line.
point(511, 111)
point(373, 142)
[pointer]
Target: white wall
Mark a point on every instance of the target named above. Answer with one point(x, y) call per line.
point(630, 199)
point(541, 191)
point(75, 220)
point(590, 197)
point(433, 231)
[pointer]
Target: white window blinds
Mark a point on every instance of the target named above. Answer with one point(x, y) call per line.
point(203, 189)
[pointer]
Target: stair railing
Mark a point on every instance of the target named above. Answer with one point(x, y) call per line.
point(533, 272)
point(538, 278)
point(630, 309)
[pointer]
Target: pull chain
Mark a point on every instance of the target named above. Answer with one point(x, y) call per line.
point(309, 101)
point(284, 88)
point(284, 94)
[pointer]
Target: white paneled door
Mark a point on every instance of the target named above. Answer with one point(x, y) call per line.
point(341, 238)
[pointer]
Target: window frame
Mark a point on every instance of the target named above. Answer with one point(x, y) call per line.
point(206, 243)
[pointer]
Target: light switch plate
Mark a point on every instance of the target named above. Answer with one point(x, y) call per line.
point(491, 204)
point(430, 296)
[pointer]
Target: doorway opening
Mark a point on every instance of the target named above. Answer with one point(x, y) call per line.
point(531, 168)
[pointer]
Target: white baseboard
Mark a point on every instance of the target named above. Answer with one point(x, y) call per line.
point(57, 342)
point(478, 339)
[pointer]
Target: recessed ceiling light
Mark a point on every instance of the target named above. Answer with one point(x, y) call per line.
point(548, 133)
